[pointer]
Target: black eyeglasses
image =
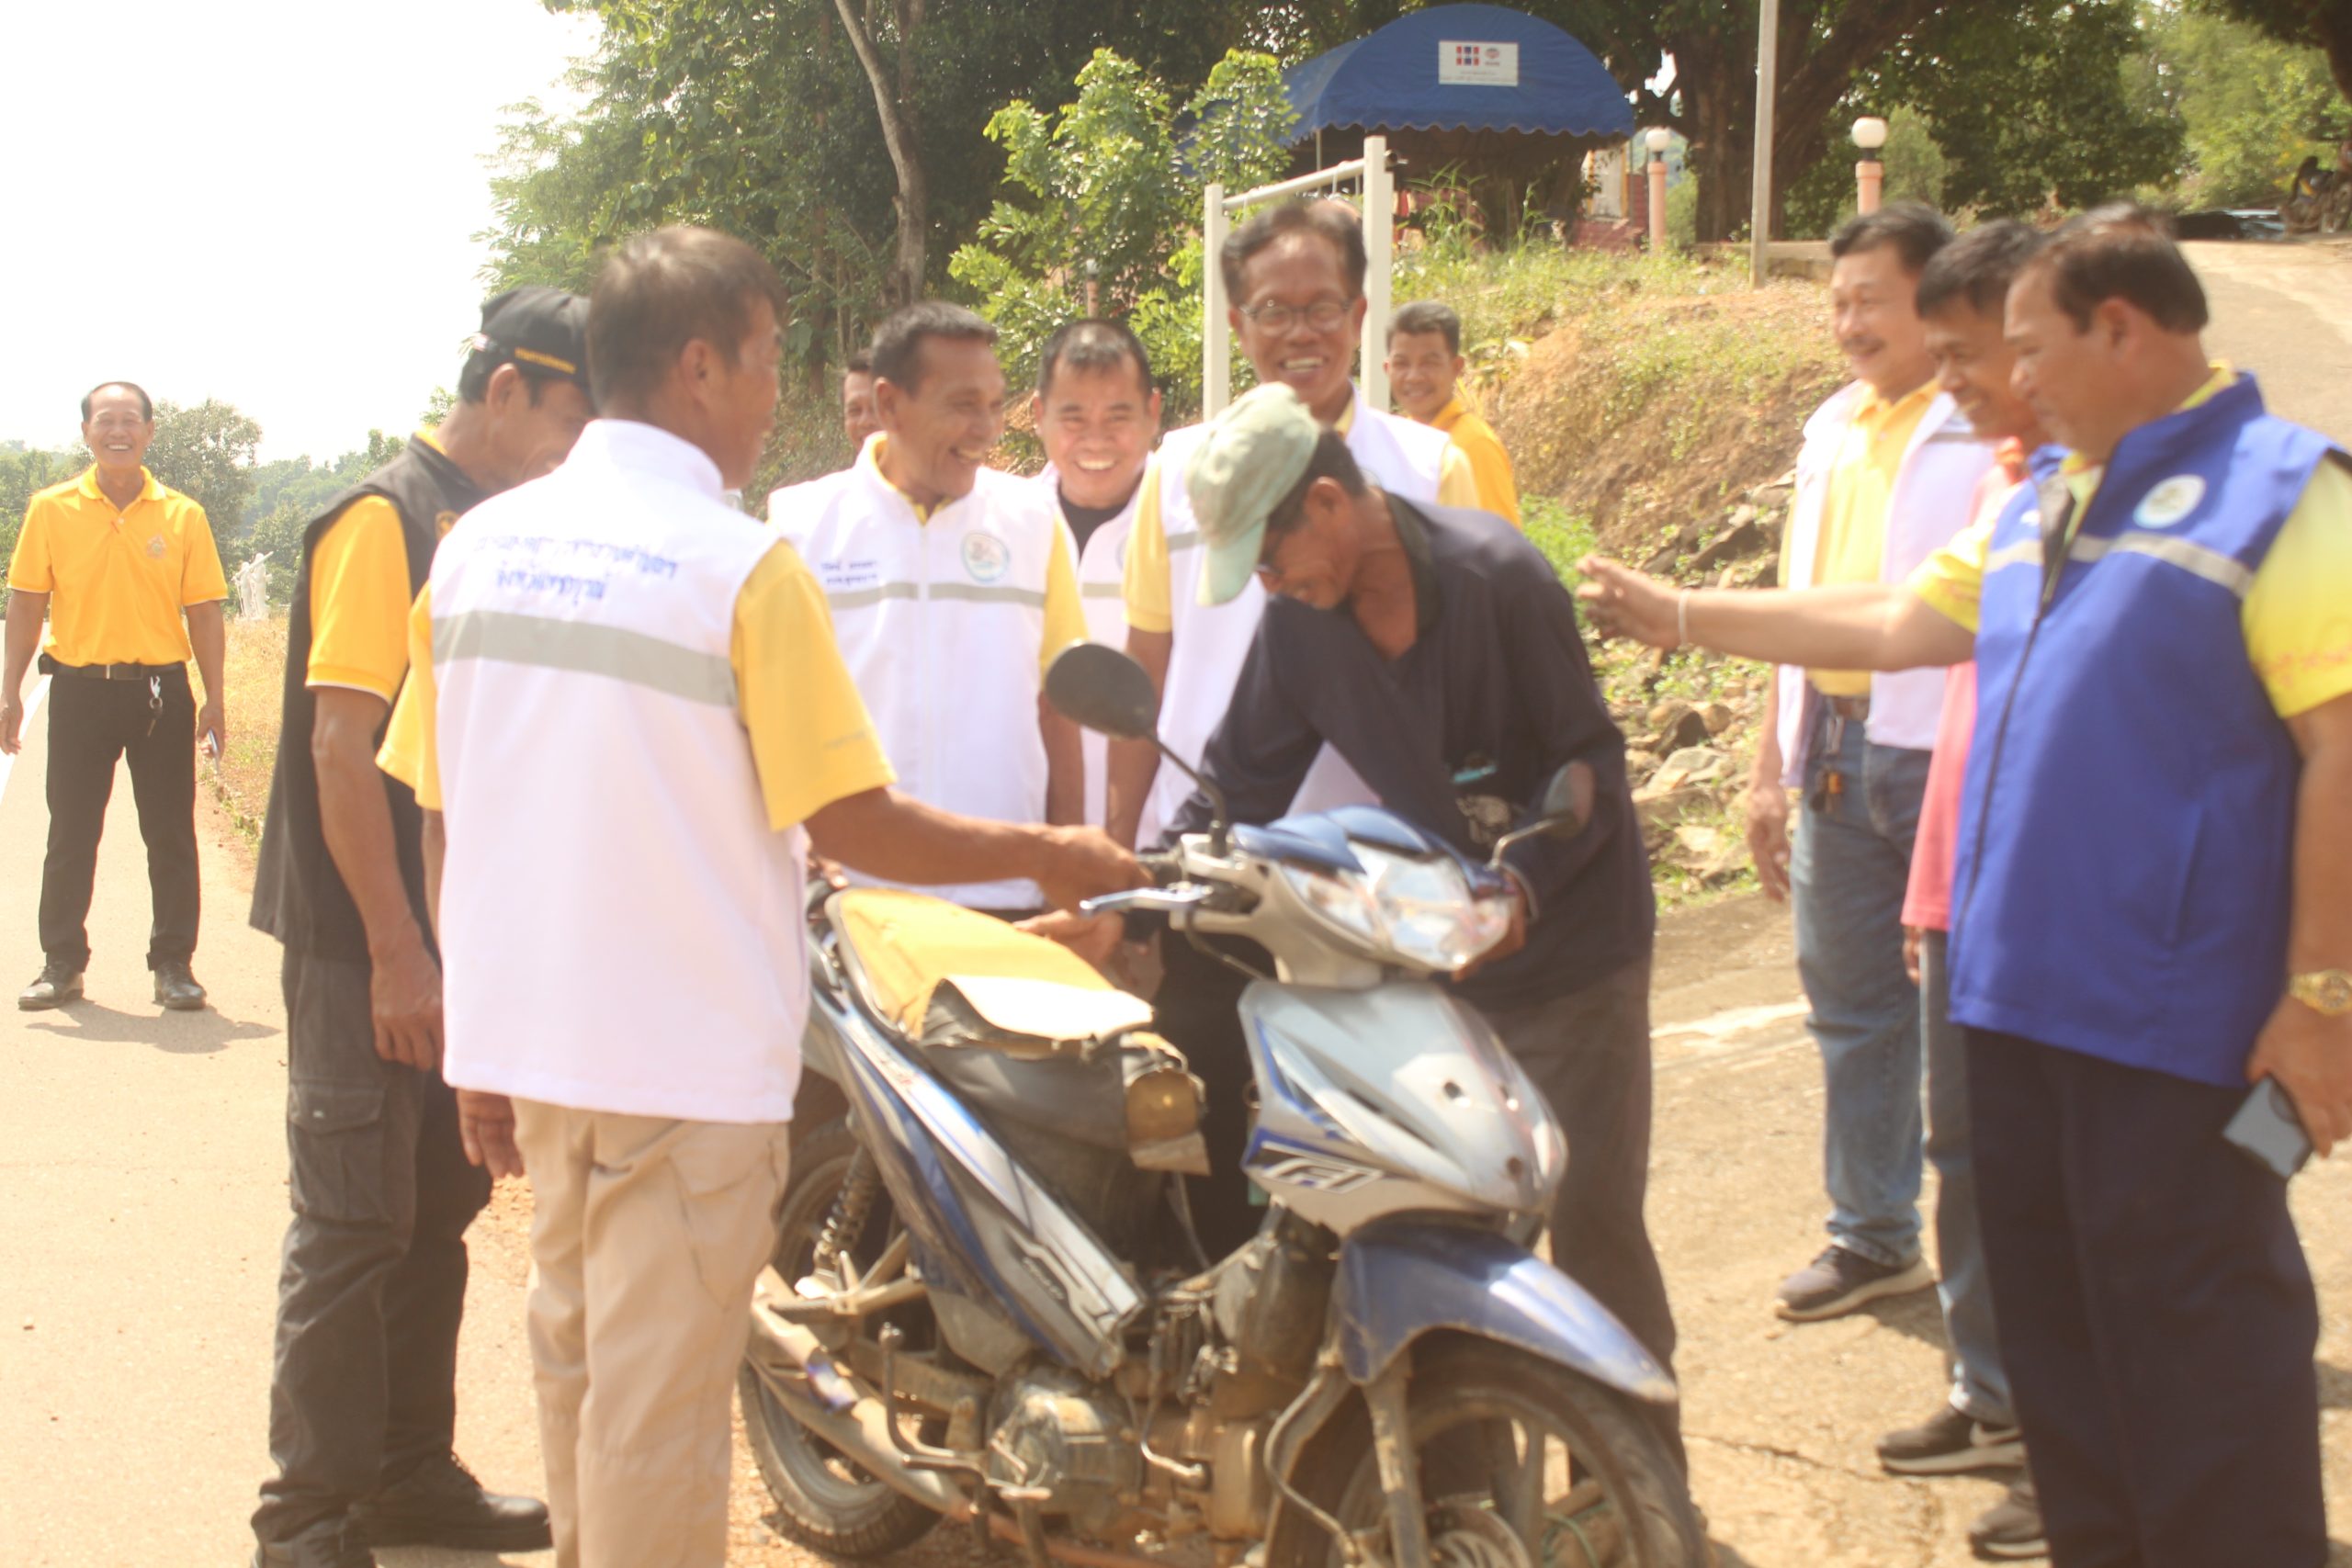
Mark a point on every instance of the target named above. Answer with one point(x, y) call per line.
point(1275, 317)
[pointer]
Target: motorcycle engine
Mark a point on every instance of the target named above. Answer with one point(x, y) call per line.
point(1050, 1430)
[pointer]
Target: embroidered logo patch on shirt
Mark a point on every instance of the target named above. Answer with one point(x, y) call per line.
point(986, 557)
point(2170, 502)
point(155, 547)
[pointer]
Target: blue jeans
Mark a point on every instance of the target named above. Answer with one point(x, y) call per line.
point(1980, 1386)
point(1849, 867)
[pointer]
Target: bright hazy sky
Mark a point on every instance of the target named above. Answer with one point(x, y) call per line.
point(268, 201)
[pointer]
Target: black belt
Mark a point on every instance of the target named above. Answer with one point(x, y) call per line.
point(110, 671)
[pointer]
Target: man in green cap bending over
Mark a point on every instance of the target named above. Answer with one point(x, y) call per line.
point(1453, 680)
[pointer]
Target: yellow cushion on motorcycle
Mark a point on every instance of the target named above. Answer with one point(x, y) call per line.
point(908, 944)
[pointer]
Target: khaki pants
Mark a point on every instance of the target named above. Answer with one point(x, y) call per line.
point(648, 1236)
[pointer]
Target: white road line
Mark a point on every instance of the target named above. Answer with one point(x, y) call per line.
point(32, 707)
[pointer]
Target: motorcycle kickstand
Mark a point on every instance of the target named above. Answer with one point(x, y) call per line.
point(1400, 1468)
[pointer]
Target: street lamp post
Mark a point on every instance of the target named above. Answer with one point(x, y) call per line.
point(1870, 174)
point(1659, 140)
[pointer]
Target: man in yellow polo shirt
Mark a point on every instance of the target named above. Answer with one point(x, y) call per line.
point(1884, 477)
point(373, 1284)
point(2149, 910)
point(117, 562)
point(1425, 366)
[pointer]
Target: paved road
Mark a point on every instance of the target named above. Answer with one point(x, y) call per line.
point(142, 1197)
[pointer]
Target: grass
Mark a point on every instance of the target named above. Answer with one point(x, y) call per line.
point(253, 676)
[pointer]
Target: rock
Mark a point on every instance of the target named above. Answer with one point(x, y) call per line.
point(1743, 539)
point(1718, 718)
point(1699, 842)
point(1697, 764)
point(1679, 726)
point(1679, 544)
point(1640, 763)
point(1658, 807)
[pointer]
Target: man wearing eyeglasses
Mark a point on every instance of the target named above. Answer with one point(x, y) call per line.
point(1296, 273)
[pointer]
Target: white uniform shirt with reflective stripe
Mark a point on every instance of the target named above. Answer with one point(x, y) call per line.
point(603, 810)
point(1102, 574)
point(941, 623)
point(1210, 641)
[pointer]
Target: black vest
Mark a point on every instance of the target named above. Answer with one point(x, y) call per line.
point(298, 895)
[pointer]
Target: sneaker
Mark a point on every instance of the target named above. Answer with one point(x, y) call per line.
point(53, 987)
point(1951, 1442)
point(2010, 1530)
point(1841, 1280)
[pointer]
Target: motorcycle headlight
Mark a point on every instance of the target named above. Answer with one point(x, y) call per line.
point(1421, 909)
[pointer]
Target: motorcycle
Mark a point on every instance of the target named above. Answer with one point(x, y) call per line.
point(988, 1303)
point(2320, 200)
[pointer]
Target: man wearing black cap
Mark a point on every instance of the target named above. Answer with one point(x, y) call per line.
point(363, 1399)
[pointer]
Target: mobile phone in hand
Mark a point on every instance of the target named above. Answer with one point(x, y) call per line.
point(2267, 1130)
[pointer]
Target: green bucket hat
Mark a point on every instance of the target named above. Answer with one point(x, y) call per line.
point(1254, 455)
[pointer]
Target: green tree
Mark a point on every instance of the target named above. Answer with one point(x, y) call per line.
point(1109, 199)
point(2252, 107)
point(24, 471)
point(2324, 25)
point(206, 452)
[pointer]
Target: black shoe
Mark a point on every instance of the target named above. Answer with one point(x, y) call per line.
point(328, 1545)
point(1840, 1281)
point(2010, 1530)
point(441, 1503)
point(1951, 1442)
point(57, 985)
point(175, 987)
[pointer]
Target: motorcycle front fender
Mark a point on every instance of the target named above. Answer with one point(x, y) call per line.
point(1401, 1279)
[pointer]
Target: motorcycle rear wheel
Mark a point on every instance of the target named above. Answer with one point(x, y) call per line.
point(823, 1501)
point(1576, 1478)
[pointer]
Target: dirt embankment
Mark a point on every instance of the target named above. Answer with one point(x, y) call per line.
point(1647, 413)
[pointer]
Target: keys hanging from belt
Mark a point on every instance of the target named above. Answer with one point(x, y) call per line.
point(1829, 792)
point(154, 702)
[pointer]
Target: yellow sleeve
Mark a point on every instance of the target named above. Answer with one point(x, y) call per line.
point(2297, 615)
point(411, 751)
point(1952, 580)
point(359, 601)
point(1491, 465)
point(201, 578)
point(1457, 481)
point(1145, 589)
point(28, 569)
point(812, 742)
point(1065, 613)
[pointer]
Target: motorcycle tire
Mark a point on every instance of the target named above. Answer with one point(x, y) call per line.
point(1613, 1496)
point(822, 1501)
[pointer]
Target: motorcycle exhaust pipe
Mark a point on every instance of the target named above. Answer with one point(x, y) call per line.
point(862, 1431)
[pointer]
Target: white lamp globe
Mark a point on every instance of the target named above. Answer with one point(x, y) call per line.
point(1870, 133)
point(1659, 140)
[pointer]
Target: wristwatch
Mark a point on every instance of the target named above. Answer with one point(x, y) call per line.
point(2327, 992)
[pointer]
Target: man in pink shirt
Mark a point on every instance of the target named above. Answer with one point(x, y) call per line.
point(1960, 297)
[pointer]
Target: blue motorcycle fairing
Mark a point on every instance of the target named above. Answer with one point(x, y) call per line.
point(1403, 1278)
point(1010, 1245)
point(1323, 840)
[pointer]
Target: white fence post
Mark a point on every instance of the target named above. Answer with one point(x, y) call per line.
point(1379, 246)
point(1217, 339)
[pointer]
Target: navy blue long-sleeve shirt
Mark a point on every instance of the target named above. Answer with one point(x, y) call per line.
point(1459, 735)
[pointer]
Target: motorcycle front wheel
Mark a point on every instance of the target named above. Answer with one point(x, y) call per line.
point(824, 1500)
point(1524, 1464)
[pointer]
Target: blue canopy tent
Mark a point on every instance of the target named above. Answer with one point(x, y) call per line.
point(1498, 95)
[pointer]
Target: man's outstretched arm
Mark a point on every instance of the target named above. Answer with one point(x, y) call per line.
point(1860, 626)
point(888, 835)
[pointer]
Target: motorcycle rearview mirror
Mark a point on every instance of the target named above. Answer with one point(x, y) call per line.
point(1101, 688)
point(1566, 810)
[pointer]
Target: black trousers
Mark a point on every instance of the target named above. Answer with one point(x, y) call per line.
point(1589, 1053)
point(373, 1280)
point(2156, 1312)
point(91, 723)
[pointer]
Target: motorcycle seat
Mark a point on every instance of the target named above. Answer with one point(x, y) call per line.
point(943, 974)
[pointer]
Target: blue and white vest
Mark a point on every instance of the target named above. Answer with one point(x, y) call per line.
point(2127, 819)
